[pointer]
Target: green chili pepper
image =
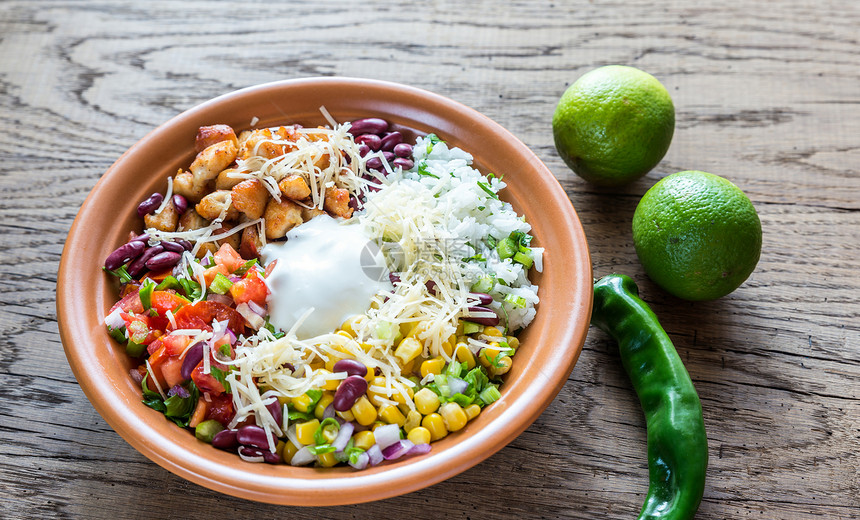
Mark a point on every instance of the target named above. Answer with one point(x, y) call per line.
point(677, 444)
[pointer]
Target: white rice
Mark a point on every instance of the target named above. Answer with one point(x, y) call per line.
point(446, 177)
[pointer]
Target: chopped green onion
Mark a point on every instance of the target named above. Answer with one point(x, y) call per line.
point(245, 267)
point(220, 284)
point(490, 394)
point(524, 258)
point(506, 248)
point(321, 448)
point(470, 327)
point(134, 349)
point(169, 282)
point(145, 293)
point(117, 333)
point(326, 431)
point(422, 170)
point(489, 191)
point(491, 241)
point(454, 369)
point(484, 284)
point(206, 430)
point(462, 399)
point(516, 301)
point(441, 381)
point(190, 288)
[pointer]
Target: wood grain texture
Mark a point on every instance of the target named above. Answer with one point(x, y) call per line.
point(766, 94)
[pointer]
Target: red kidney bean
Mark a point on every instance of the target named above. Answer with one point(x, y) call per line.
point(276, 409)
point(406, 164)
point(430, 285)
point(372, 141)
point(374, 163)
point(370, 125)
point(192, 358)
point(483, 297)
point(180, 203)
point(489, 321)
point(137, 267)
point(394, 278)
point(150, 204)
point(403, 150)
point(124, 253)
point(185, 244)
point(176, 247)
point(389, 156)
point(140, 238)
point(271, 458)
point(351, 367)
point(363, 150)
point(349, 391)
point(163, 260)
point(252, 435)
point(225, 439)
point(391, 140)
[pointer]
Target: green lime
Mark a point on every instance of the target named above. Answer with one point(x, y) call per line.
point(613, 125)
point(697, 235)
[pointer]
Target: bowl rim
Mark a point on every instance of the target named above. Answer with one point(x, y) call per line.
point(329, 487)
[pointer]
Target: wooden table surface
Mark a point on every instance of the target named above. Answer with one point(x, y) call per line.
point(766, 95)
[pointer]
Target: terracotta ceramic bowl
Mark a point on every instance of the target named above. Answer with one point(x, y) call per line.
point(550, 346)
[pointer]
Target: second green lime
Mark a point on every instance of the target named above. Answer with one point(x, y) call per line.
point(613, 125)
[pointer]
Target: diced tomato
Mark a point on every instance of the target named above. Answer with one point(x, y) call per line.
point(171, 369)
point(221, 409)
point(206, 382)
point(131, 287)
point(139, 328)
point(156, 360)
point(163, 301)
point(229, 258)
point(201, 314)
point(250, 288)
point(175, 345)
point(129, 303)
point(212, 272)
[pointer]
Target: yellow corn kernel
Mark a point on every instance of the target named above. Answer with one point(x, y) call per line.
point(363, 411)
point(345, 334)
point(513, 342)
point(419, 435)
point(329, 365)
point(489, 354)
point(316, 364)
point(426, 401)
point(408, 349)
point(406, 328)
point(453, 416)
point(400, 398)
point(448, 348)
point(364, 440)
point(376, 381)
point(326, 399)
point(492, 331)
point(432, 366)
point(327, 460)
point(435, 425)
point(305, 431)
point(464, 355)
point(472, 411)
point(502, 366)
point(408, 368)
point(413, 420)
point(351, 322)
point(302, 402)
point(366, 346)
point(346, 416)
point(330, 384)
point(287, 451)
point(418, 329)
point(391, 415)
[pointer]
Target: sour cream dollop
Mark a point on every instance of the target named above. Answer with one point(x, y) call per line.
point(330, 267)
